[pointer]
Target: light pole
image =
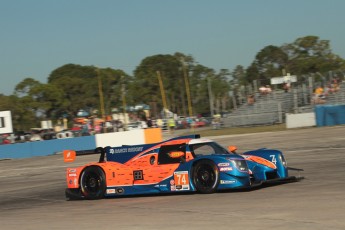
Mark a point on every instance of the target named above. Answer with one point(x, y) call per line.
point(124, 104)
point(210, 95)
point(162, 92)
point(101, 98)
point(185, 76)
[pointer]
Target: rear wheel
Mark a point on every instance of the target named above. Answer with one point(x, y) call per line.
point(205, 176)
point(92, 182)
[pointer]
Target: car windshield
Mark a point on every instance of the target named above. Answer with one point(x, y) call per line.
point(207, 148)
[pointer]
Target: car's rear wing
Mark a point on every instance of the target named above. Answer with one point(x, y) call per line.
point(70, 155)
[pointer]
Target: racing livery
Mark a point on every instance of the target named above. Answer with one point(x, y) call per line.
point(182, 164)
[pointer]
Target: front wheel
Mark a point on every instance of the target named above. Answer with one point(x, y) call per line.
point(205, 176)
point(92, 183)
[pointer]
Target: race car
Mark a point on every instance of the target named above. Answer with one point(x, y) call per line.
point(182, 164)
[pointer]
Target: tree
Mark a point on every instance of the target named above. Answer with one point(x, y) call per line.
point(268, 63)
point(146, 86)
point(79, 85)
point(309, 54)
point(238, 77)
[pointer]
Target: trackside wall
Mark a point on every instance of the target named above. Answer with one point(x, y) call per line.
point(50, 147)
point(329, 115)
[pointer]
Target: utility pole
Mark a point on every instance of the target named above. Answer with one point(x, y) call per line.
point(162, 92)
point(124, 104)
point(210, 95)
point(185, 76)
point(101, 99)
point(100, 92)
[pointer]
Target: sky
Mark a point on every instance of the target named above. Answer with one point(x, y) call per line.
point(38, 36)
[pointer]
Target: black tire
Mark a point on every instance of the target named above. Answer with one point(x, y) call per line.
point(205, 176)
point(92, 183)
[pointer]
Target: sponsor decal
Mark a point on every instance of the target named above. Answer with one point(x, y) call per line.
point(223, 164)
point(111, 191)
point(72, 170)
point(75, 182)
point(227, 181)
point(172, 182)
point(126, 150)
point(160, 185)
point(70, 181)
point(120, 190)
point(224, 169)
point(173, 188)
point(72, 174)
point(185, 187)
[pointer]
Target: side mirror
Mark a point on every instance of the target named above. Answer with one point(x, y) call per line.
point(232, 148)
point(176, 154)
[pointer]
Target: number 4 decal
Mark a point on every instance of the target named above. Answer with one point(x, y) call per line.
point(274, 159)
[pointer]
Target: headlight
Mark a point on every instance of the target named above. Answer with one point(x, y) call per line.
point(240, 165)
point(282, 159)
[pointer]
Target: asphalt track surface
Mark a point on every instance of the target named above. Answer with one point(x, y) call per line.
point(32, 193)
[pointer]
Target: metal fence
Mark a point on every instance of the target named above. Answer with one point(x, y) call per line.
point(271, 108)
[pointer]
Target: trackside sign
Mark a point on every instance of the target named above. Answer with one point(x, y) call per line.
point(5, 122)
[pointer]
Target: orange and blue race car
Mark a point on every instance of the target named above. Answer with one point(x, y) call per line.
point(181, 164)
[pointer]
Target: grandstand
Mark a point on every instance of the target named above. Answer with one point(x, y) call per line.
point(271, 108)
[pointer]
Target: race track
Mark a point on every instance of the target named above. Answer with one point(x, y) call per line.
point(32, 193)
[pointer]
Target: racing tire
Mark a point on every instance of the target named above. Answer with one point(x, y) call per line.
point(92, 183)
point(69, 134)
point(205, 176)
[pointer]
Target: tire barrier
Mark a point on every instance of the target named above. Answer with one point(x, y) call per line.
point(49, 136)
point(63, 135)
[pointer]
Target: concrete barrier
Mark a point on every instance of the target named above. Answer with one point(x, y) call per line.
point(133, 137)
point(300, 120)
point(49, 147)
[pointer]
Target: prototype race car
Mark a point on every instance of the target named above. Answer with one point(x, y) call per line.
point(187, 163)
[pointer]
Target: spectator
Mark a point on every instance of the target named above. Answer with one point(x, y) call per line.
point(317, 99)
point(149, 123)
point(250, 99)
point(171, 125)
point(287, 86)
point(335, 85)
point(98, 128)
point(159, 123)
point(216, 122)
point(268, 89)
point(319, 91)
point(262, 90)
point(328, 90)
point(85, 130)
